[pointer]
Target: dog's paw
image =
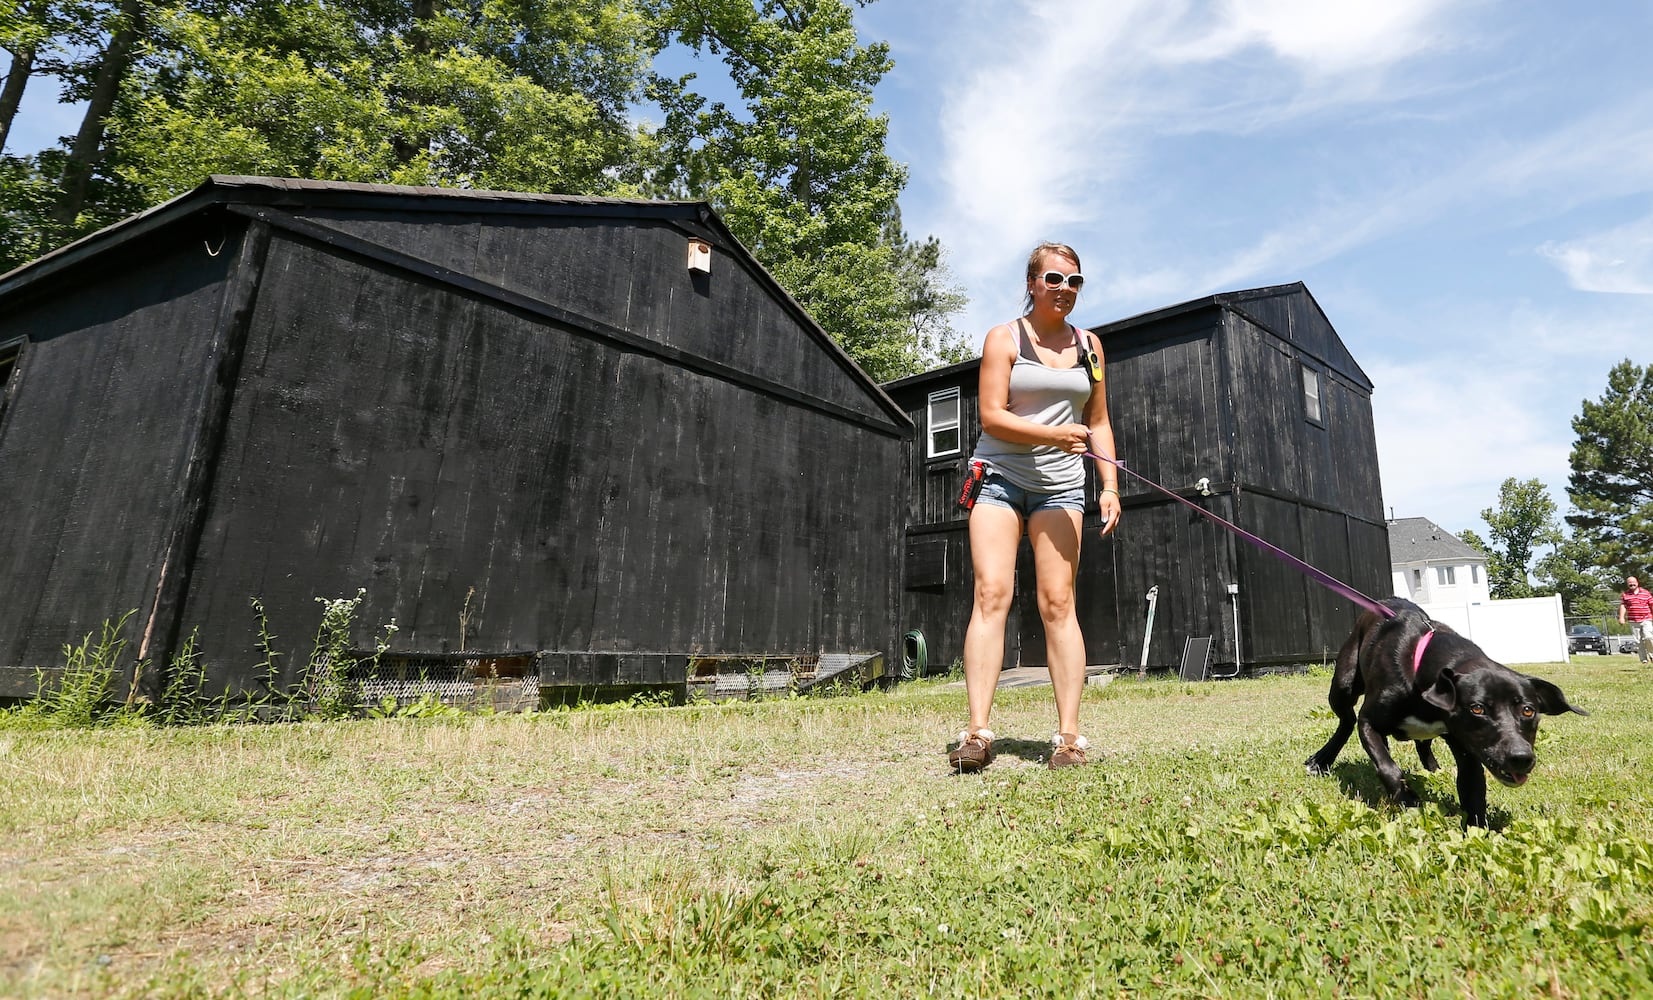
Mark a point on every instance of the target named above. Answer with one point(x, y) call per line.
point(1315, 769)
point(1406, 798)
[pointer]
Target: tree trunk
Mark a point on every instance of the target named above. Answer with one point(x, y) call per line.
point(11, 96)
point(407, 146)
point(88, 144)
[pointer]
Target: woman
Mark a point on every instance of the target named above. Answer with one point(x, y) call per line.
point(1042, 408)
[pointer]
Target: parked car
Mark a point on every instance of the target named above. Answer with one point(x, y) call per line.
point(1586, 639)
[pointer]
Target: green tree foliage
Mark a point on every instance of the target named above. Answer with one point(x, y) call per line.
point(1524, 518)
point(529, 96)
point(524, 95)
point(1611, 485)
point(1569, 570)
point(799, 171)
point(87, 47)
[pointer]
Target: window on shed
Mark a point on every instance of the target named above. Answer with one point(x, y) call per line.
point(9, 353)
point(943, 422)
point(8, 361)
point(1311, 394)
point(1445, 575)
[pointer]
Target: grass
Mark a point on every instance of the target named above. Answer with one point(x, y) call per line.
point(821, 848)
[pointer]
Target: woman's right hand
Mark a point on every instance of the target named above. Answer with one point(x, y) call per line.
point(1075, 439)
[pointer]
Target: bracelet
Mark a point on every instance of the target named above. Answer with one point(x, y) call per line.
point(1110, 489)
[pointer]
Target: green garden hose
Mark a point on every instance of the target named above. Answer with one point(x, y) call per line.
point(914, 657)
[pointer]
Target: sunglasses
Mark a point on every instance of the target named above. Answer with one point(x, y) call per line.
point(1056, 279)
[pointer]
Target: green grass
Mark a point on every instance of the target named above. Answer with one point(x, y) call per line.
point(821, 848)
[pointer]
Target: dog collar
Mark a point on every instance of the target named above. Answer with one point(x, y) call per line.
point(1417, 651)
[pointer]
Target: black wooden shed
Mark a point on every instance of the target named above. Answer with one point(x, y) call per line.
point(590, 433)
point(1247, 403)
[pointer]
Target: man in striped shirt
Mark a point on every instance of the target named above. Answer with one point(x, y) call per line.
point(1636, 610)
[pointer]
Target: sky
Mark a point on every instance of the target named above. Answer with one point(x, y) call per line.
point(1466, 188)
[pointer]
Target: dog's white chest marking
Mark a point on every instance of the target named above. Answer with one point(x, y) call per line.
point(1413, 728)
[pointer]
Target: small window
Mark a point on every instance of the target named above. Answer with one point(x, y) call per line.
point(9, 353)
point(943, 423)
point(1444, 575)
point(1311, 395)
point(1417, 579)
point(1474, 574)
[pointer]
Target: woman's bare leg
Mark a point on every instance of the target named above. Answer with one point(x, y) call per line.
point(1055, 536)
point(994, 534)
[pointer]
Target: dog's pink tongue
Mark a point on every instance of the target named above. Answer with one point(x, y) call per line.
point(1518, 779)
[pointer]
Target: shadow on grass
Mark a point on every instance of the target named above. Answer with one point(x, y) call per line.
point(1358, 779)
point(1032, 751)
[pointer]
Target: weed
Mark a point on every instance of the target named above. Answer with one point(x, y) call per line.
point(328, 687)
point(267, 673)
point(185, 682)
point(81, 697)
point(465, 616)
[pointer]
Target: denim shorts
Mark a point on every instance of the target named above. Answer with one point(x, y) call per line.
point(1001, 492)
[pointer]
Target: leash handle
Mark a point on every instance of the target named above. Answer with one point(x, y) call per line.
point(1319, 576)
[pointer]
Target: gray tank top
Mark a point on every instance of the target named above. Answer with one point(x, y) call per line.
point(1046, 395)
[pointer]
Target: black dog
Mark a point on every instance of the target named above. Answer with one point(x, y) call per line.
point(1487, 712)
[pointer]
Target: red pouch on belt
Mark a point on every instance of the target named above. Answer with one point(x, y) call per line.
point(973, 478)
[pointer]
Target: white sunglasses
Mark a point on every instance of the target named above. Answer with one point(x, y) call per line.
point(1056, 279)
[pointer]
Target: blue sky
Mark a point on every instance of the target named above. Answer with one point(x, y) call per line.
point(1466, 187)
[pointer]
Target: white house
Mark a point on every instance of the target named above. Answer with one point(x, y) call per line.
point(1447, 577)
point(1431, 565)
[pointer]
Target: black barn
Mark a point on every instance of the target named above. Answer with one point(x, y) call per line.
point(591, 434)
point(1253, 393)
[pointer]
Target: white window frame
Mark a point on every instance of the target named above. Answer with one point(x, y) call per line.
point(938, 424)
point(1314, 409)
point(1446, 576)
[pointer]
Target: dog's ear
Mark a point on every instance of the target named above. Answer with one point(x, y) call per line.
point(1550, 699)
point(1443, 694)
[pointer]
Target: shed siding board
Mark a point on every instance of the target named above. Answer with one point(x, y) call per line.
point(1276, 622)
point(1352, 456)
point(584, 493)
point(90, 465)
point(1166, 402)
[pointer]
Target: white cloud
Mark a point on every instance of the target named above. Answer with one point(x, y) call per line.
point(1619, 260)
point(1325, 38)
point(1059, 106)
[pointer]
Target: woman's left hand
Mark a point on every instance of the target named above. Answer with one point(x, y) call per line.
point(1108, 505)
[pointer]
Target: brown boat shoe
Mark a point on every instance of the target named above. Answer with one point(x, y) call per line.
point(1065, 754)
point(974, 751)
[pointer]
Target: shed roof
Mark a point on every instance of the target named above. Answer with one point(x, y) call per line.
point(1418, 539)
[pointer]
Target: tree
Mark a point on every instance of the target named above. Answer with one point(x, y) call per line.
point(23, 30)
point(800, 173)
point(1611, 485)
point(1569, 570)
point(504, 94)
point(125, 26)
point(1524, 517)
